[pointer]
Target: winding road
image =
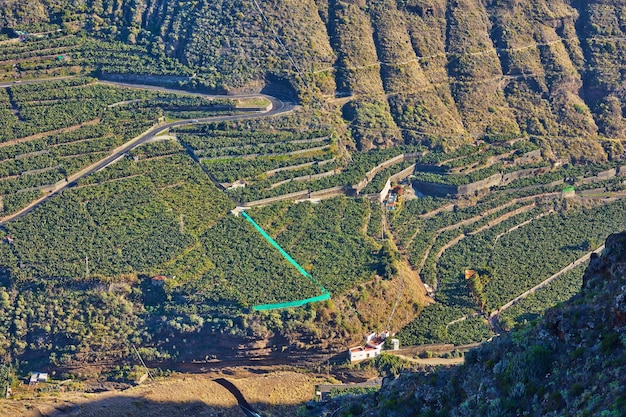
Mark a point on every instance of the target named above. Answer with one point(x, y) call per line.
point(279, 106)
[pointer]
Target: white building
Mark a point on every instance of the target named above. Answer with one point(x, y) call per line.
point(373, 346)
point(36, 377)
point(395, 343)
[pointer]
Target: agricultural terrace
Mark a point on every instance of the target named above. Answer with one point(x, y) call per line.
point(218, 264)
point(265, 160)
point(51, 130)
point(68, 53)
point(156, 212)
point(512, 239)
point(278, 162)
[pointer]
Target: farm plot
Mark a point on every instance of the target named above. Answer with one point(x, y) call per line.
point(510, 260)
point(56, 128)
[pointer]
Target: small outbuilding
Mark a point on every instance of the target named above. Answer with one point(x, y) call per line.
point(158, 280)
point(36, 377)
point(373, 347)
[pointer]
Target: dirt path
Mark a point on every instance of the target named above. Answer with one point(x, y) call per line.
point(517, 226)
point(489, 225)
point(466, 222)
point(470, 220)
point(447, 207)
point(502, 218)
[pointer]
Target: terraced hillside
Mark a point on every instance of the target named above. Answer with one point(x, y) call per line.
point(52, 130)
point(478, 254)
point(414, 70)
point(521, 98)
point(568, 362)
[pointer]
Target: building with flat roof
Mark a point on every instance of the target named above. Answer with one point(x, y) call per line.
point(373, 346)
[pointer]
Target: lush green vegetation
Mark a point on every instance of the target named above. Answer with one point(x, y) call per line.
point(573, 358)
point(247, 268)
point(44, 107)
point(509, 262)
point(513, 262)
point(459, 179)
point(68, 52)
point(326, 238)
point(56, 128)
point(158, 213)
point(349, 175)
point(59, 325)
point(260, 158)
point(534, 305)
point(407, 223)
point(413, 77)
point(102, 223)
point(374, 225)
point(433, 326)
point(231, 169)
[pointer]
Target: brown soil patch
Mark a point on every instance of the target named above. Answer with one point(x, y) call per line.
point(279, 392)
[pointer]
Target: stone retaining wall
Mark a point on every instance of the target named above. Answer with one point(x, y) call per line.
point(291, 196)
point(305, 178)
point(522, 173)
point(333, 192)
point(602, 176)
point(394, 178)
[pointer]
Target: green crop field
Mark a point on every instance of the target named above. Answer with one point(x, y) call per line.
point(511, 259)
point(467, 92)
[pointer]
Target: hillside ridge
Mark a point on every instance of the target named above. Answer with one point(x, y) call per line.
point(431, 71)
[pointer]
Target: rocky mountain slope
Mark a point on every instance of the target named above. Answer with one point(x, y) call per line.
point(571, 362)
point(417, 70)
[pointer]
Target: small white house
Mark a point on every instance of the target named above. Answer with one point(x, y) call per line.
point(395, 343)
point(38, 377)
point(360, 353)
point(373, 346)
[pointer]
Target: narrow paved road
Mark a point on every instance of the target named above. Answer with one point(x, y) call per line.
point(279, 107)
point(243, 404)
